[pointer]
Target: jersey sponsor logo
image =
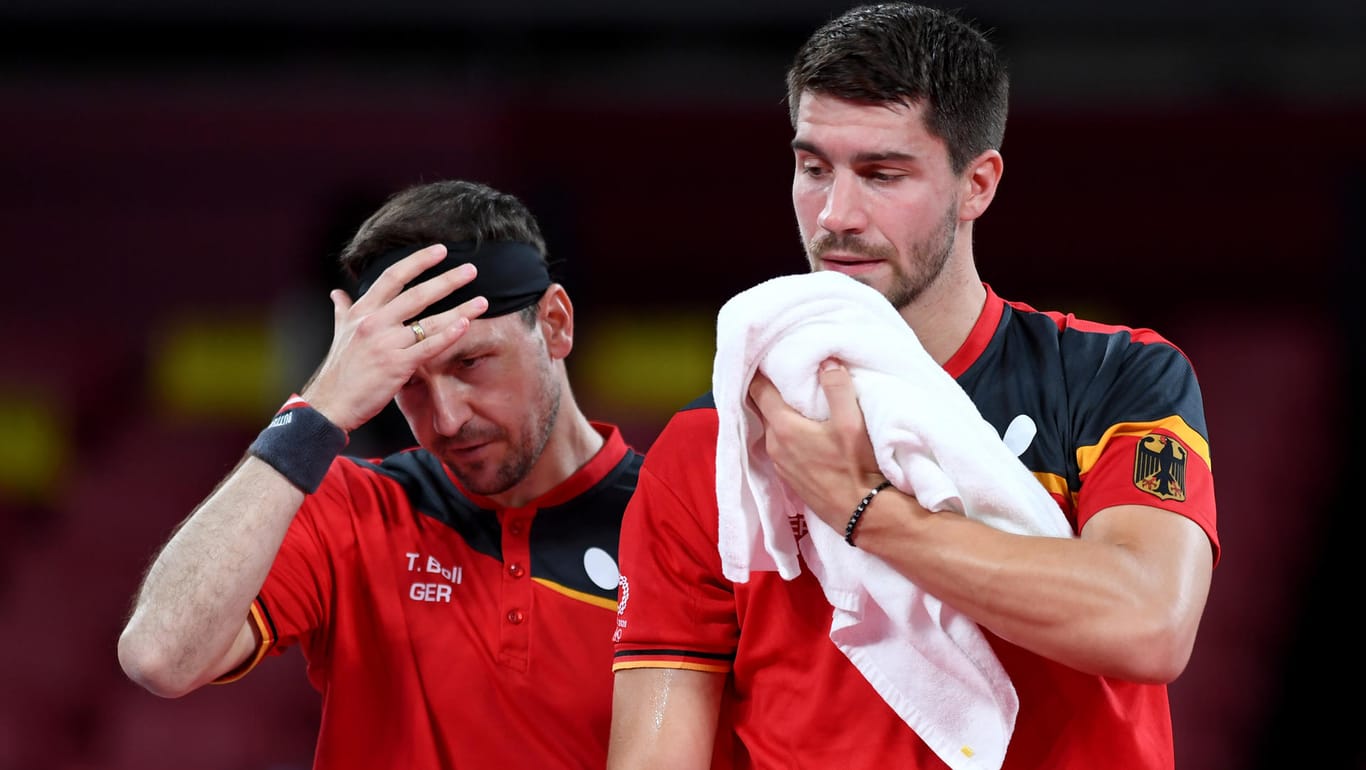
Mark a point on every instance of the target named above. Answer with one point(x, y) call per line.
point(1160, 467)
point(426, 588)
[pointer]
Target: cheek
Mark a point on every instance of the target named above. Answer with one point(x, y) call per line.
point(807, 205)
point(415, 406)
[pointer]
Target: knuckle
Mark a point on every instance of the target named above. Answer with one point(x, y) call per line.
point(368, 326)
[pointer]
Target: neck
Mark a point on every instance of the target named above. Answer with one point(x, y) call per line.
point(572, 443)
point(944, 314)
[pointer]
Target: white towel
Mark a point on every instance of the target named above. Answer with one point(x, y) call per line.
point(931, 663)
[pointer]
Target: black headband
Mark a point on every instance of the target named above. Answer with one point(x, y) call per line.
point(512, 275)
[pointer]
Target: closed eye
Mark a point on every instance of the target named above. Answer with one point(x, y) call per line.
point(883, 175)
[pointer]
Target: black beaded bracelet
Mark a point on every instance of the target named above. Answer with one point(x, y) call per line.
point(858, 512)
point(300, 443)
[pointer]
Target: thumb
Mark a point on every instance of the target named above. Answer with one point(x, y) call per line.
point(341, 302)
point(838, 386)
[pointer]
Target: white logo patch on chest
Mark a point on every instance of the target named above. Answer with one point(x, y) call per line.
point(1020, 434)
point(601, 568)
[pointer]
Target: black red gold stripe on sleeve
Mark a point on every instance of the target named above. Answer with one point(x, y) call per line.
point(689, 660)
point(1057, 489)
point(1173, 425)
point(1055, 484)
point(259, 617)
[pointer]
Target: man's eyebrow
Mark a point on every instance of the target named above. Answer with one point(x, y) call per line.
point(884, 156)
point(463, 351)
point(801, 145)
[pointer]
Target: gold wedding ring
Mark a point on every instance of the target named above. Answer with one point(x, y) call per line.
point(418, 331)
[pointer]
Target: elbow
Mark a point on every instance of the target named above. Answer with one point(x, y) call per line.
point(1159, 666)
point(149, 666)
point(1156, 655)
point(1176, 654)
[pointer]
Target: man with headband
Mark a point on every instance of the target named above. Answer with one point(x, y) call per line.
point(455, 601)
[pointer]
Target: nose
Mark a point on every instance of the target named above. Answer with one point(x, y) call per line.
point(450, 405)
point(844, 206)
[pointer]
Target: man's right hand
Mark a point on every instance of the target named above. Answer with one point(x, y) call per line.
point(374, 352)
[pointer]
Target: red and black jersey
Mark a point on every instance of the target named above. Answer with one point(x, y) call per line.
point(445, 633)
point(1111, 415)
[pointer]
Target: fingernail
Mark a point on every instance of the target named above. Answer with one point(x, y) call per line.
point(829, 365)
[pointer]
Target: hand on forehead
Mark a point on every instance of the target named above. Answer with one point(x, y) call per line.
point(511, 275)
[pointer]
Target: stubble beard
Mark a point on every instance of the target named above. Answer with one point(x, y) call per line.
point(524, 452)
point(927, 258)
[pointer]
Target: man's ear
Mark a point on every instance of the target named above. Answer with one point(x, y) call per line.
point(556, 318)
point(980, 180)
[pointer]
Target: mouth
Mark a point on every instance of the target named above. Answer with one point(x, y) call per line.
point(848, 263)
point(465, 450)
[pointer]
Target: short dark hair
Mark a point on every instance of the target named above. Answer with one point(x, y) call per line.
point(904, 53)
point(448, 211)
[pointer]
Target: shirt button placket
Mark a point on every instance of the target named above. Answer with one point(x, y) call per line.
point(516, 593)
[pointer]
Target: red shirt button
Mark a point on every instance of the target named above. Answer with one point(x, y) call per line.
point(515, 528)
point(515, 617)
point(515, 570)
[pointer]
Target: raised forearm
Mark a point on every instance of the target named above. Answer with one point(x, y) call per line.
point(196, 595)
point(1124, 600)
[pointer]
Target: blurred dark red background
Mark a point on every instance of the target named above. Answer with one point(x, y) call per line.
point(179, 179)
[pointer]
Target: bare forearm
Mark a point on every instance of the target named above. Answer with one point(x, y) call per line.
point(196, 595)
point(1123, 601)
point(664, 719)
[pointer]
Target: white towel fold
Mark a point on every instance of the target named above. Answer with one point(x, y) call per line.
point(928, 661)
